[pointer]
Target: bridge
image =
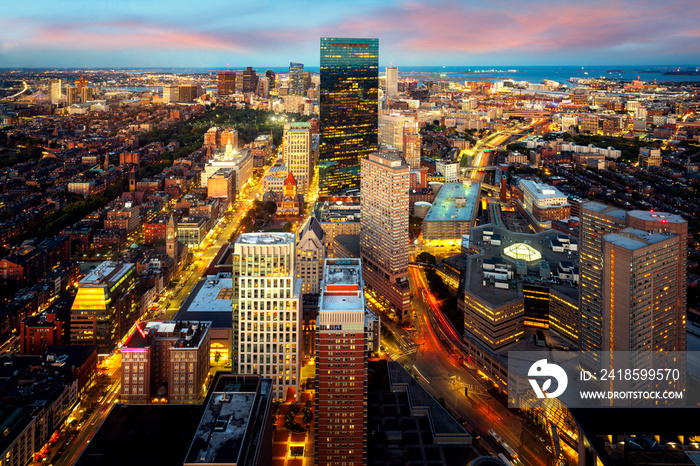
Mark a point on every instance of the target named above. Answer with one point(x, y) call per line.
point(480, 169)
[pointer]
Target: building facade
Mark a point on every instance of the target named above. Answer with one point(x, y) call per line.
point(267, 310)
point(165, 360)
point(392, 81)
point(341, 367)
point(297, 153)
point(384, 228)
point(348, 110)
point(311, 254)
point(226, 83)
point(105, 306)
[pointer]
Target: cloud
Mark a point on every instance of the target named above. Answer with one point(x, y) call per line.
point(410, 32)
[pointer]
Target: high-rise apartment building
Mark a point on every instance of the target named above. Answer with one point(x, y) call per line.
point(297, 153)
point(272, 77)
point(341, 366)
point(348, 110)
point(267, 310)
point(384, 228)
point(296, 78)
point(412, 144)
point(633, 280)
point(105, 307)
point(226, 83)
point(392, 81)
point(189, 92)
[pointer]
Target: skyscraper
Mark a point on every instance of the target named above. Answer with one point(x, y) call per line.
point(644, 284)
point(348, 110)
point(226, 83)
point(412, 144)
point(384, 228)
point(267, 310)
point(633, 280)
point(296, 78)
point(250, 81)
point(341, 366)
point(55, 90)
point(392, 81)
point(297, 153)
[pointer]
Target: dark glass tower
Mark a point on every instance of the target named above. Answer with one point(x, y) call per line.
point(296, 78)
point(349, 121)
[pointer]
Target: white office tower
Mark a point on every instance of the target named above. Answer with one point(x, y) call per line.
point(267, 310)
point(392, 81)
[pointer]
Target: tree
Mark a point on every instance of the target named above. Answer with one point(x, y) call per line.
point(426, 258)
point(269, 207)
point(288, 227)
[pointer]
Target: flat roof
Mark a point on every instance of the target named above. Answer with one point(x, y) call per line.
point(539, 241)
point(231, 412)
point(342, 271)
point(213, 294)
point(106, 272)
point(341, 303)
point(605, 209)
point(633, 239)
point(541, 190)
point(266, 238)
point(662, 217)
point(445, 207)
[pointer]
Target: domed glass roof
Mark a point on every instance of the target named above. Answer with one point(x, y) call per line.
point(522, 251)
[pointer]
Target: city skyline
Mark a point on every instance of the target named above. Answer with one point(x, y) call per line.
point(416, 33)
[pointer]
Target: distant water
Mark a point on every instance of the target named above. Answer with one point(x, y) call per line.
point(533, 74)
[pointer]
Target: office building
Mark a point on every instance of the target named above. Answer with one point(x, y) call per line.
point(412, 144)
point(384, 228)
point(240, 161)
point(296, 78)
point(226, 83)
point(105, 306)
point(236, 427)
point(165, 361)
point(542, 204)
point(171, 93)
point(453, 212)
point(297, 154)
point(342, 218)
point(311, 254)
point(341, 366)
point(649, 157)
point(267, 310)
point(249, 81)
point(55, 90)
point(392, 81)
point(269, 74)
point(348, 110)
point(518, 287)
point(622, 250)
point(391, 129)
point(188, 92)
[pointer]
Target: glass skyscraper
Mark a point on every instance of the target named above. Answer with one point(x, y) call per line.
point(296, 78)
point(349, 111)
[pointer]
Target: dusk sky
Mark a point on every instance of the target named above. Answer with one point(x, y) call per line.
point(214, 33)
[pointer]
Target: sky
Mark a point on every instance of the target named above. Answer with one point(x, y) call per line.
point(259, 33)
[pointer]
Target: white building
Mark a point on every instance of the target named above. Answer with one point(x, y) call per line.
point(392, 81)
point(267, 309)
point(239, 160)
point(450, 170)
point(297, 153)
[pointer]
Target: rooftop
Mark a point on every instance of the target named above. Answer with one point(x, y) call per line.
point(633, 239)
point(455, 202)
point(266, 238)
point(106, 273)
point(536, 243)
point(236, 411)
point(342, 271)
point(213, 294)
point(651, 216)
point(541, 190)
point(187, 334)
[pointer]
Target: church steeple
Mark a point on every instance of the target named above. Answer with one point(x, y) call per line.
point(171, 248)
